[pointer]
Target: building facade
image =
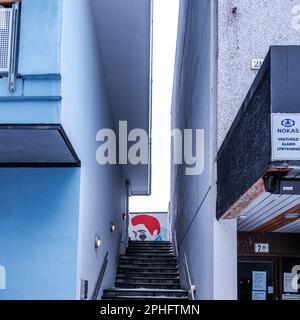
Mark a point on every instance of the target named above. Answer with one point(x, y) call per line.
point(222, 216)
point(63, 217)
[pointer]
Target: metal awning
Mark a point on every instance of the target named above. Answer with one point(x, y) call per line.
point(36, 146)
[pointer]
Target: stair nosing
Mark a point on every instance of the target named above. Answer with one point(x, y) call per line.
point(146, 289)
point(148, 273)
point(141, 284)
point(136, 278)
point(157, 298)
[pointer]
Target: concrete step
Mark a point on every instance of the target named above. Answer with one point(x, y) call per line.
point(150, 247)
point(148, 261)
point(150, 242)
point(149, 253)
point(147, 270)
point(169, 258)
point(169, 275)
point(158, 293)
point(144, 298)
point(143, 250)
point(158, 280)
point(148, 265)
point(145, 263)
point(147, 285)
point(137, 245)
point(162, 243)
point(148, 275)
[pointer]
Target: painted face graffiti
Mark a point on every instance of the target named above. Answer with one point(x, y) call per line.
point(146, 228)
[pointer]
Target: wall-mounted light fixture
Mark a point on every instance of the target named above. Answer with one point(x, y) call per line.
point(113, 227)
point(294, 215)
point(98, 242)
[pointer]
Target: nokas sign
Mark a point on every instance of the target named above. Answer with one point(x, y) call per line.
point(285, 136)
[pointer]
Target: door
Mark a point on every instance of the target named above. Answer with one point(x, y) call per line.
point(256, 279)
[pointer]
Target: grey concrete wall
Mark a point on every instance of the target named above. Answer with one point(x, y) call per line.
point(208, 246)
point(193, 197)
point(216, 44)
point(246, 30)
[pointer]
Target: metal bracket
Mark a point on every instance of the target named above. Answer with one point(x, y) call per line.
point(13, 60)
point(84, 288)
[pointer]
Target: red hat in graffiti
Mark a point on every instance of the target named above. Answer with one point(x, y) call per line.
point(151, 223)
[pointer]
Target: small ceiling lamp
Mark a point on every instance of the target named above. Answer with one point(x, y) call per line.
point(295, 215)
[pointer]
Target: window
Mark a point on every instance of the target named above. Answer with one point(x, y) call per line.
point(9, 24)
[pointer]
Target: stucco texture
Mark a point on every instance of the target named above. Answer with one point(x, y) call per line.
point(246, 30)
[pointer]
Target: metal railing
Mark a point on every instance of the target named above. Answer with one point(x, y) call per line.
point(100, 277)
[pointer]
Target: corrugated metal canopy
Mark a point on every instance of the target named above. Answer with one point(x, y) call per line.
point(271, 213)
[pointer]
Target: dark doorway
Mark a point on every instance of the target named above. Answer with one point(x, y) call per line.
point(256, 279)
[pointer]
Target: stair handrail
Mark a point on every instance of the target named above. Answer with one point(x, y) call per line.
point(100, 277)
point(118, 255)
point(175, 244)
point(192, 287)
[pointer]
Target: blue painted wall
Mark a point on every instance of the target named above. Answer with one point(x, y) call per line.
point(39, 209)
point(49, 218)
point(40, 37)
point(37, 98)
point(29, 111)
point(38, 232)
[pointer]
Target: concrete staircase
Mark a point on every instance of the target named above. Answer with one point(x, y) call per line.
point(148, 271)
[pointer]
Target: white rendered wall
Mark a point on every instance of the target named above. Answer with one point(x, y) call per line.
point(225, 260)
point(85, 110)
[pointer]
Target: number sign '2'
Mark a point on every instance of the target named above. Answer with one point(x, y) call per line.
point(261, 248)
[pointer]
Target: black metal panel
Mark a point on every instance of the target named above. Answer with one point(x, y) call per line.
point(246, 151)
point(245, 155)
point(279, 184)
point(285, 79)
point(289, 186)
point(36, 146)
point(285, 244)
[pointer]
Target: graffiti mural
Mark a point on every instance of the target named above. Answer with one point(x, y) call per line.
point(149, 226)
